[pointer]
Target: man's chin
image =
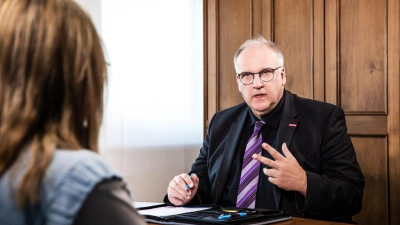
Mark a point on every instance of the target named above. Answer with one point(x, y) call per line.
point(261, 110)
point(261, 106)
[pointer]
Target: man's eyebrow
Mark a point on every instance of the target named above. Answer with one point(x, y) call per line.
point(267, 68)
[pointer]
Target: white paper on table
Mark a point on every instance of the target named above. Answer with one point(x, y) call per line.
point(146, 204)
point(170, 210)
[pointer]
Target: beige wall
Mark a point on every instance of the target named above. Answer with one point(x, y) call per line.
point(147, 169)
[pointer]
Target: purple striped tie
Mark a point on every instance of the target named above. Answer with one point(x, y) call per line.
point(250, 170)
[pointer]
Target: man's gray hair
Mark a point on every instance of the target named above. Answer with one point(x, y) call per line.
point(257, 40)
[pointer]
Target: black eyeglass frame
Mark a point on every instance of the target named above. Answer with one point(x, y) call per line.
point(267, 70)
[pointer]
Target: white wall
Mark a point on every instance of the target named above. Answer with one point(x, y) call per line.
point(152, 127)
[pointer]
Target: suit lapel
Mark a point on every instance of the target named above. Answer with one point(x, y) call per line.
point(287, 128)
point(232, 142)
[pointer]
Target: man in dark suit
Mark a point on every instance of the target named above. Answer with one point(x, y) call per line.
point(308, 165)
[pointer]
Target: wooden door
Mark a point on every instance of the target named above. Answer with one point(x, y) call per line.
point(345, 52)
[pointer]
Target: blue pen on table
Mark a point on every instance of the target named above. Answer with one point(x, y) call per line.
point(187, 186)
point(229, 215)
point(224, 216)
point(241, 213)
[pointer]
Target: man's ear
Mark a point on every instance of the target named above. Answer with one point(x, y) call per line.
point(239, 84)
point(283, 75)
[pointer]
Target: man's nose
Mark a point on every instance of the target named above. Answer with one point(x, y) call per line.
point(257, 82)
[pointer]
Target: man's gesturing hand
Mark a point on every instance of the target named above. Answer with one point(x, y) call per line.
point(285, 171)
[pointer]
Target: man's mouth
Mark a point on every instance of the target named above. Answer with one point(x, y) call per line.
point(258, 95)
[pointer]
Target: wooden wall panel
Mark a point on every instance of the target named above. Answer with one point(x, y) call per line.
point(366, 125)
point(331, 51)
point(372, 157)
point(266, 19)
point(234, 29)
point(393, 124)
point(292, 31)
point(211, 98)
point(256, 11)
point(318, 50)
point(362, 56)
point(345, 52)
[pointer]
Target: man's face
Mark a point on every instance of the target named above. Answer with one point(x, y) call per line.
point(260, 96)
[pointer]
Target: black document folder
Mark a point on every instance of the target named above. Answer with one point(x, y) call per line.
point(218, 215)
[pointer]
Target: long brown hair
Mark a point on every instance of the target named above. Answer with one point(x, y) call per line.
point(52, 75)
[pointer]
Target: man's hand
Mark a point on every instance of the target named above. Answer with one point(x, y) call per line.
point(285, 171)
point(177, 192)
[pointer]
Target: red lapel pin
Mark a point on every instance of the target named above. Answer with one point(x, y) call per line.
point(292, 125)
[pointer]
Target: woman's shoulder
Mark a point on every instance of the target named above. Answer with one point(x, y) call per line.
point(74, 155)
point(71, 176)
point(78, 163)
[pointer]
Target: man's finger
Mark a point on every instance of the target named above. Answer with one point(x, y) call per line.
point(187, 179)
point(286, 151)
point(180, 187)
point(275, 154)
point(264, 160)
point(175, 195)
point(270, 172)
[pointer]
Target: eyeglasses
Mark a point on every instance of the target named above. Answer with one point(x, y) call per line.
point(265, 75)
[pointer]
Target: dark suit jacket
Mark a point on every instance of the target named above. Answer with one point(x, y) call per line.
point(315, 133)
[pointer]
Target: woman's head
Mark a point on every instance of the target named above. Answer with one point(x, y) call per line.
point(52, 74)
